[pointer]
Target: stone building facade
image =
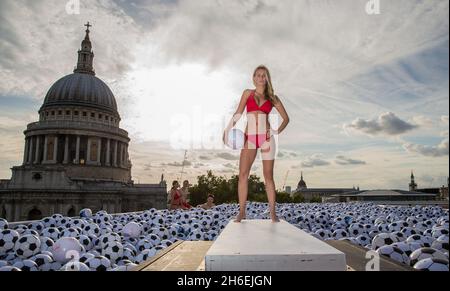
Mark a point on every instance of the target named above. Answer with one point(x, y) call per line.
point(76, 155)
point(318, 193)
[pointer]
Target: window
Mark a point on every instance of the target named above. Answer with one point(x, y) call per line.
point(93, 115)
point(106, 117)
point(37, 176)
point(53, 113)
point(100, 116)
point(50, 151)
point(68, 112)
point(94, 151)
point(46, 113)
point(59, 112)
point(84, 114)
point(75, 113)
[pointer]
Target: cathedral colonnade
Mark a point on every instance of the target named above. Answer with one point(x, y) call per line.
point(76, 150)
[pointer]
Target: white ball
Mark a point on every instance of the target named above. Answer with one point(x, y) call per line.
point(43, 262)
point(85, 241)
point(74, 267)
point(86, 213)
point(27, 265)
point(113, 251)
point(424, 253)
point(9, 269)
point(27, 246)
point(127, 267)
point(236, 139)
point(108, 238)
point(51, 232)
point(145, 255)
point(132, 229)
point(8, 239)
point(441, 243)
point(65, 249)
point(432, 264)
point(46, 243)
point(196, 235)
point(3, 224)
point(394, 253)
point(98, 263)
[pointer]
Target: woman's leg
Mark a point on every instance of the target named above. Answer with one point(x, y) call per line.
point(270, 187)
point(245, 164)
point(268, 160)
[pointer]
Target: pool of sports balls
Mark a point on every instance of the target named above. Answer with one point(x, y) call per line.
point(416, 236)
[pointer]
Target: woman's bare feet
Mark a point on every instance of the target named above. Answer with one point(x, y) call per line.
point(274, 218)
point(239, 217)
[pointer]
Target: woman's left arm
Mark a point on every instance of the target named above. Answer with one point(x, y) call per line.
point(280, 107)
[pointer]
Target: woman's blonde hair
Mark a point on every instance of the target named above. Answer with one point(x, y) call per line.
point(269, 92)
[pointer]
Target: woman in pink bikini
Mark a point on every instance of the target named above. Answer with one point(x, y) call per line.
point(258, 134)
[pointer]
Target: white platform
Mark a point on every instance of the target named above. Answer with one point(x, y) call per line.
point(261, 245)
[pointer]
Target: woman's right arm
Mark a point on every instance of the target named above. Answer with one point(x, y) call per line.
point(238, 114)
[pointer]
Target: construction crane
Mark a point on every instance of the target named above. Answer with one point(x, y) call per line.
point(182, 166)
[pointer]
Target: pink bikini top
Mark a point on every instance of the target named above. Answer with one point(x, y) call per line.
point(253, 106)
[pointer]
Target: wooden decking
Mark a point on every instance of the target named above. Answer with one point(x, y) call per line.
point(181, 256)
point(189, 256)
point(356, 257)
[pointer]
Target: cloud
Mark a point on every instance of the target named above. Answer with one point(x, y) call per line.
point(177, 164)
point(422, 121)
point(387, 123)
point(255, 167)
point(342, 160)
point(35, 52)
point(444, 119)
point(226, 171)
point(315, 160)
point(286, 154)
point(440, 150)
point(199, 165)
point(148, 13)
point(205, 158)
point(231, 166)
point(227, 156)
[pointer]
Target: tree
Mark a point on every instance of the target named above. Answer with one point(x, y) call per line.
point(210, 183)
point(316, 199)
point(283, 197)
point(298, 198)
point(226, 191)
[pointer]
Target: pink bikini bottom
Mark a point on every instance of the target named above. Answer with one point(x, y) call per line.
point(256, 139)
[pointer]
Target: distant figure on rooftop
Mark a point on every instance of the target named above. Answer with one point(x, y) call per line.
point(185, 194)
point(176, 197)
point(209, 202)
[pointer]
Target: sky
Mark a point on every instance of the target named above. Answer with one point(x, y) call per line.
point(366, 90)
